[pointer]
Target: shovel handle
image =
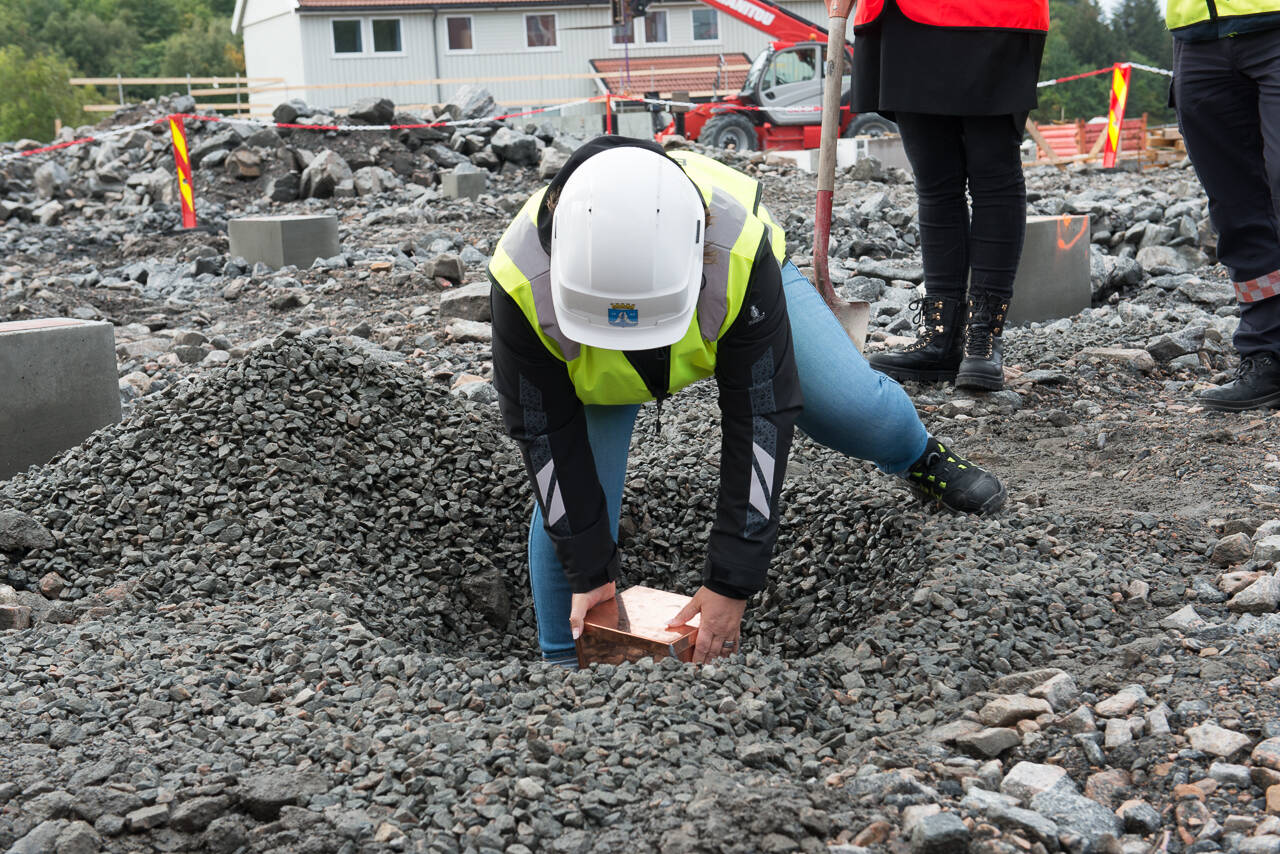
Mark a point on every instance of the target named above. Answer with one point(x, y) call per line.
point(831, 95)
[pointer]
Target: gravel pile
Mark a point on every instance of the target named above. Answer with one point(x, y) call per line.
point(305, 463)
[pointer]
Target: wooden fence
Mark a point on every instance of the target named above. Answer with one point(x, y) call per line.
point(201, 88)
point(276, 89)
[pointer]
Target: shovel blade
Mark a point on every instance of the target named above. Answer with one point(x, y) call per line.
point(854, 316)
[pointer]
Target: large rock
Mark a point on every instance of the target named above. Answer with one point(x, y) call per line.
point(1133, 359)
point(243, 163)
point(51, 179)
point(487, 591)
point(515, 147)
point(550, 162)
point(195, 815)
point(449, 266)
point(371, 180)
point(1008, 709)
point(471, 102)
point(290, 111)
point(1084, 826)
point(415, 137)
point(1267, 549)
point(1212, 294)
point(284, 188)
point(943, 833)
point(445, 156)
point(1165, 259)
point(1059, 691)
point(1260, 597)
point(1232, 549)
point(468, 303)
point(1028, 779)
point(19, 532)
point(989, 742)
point(374, 111)
point(1171, 345)
point(48, 213)
point(223, 140)
point(1267, 754)
point(322, 177)
point(1120, 703)
point(263, 794)
point(1216, 740)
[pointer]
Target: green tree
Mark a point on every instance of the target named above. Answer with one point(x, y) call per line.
point(96, 47)
point(1139, 26)
point(35, 92)
point(205, 45)
point(1080, 40)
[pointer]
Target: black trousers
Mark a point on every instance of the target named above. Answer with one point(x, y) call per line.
point(1227, 93)
point(980, 154)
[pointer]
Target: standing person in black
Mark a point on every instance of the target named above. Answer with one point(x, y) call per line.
point(959, 78)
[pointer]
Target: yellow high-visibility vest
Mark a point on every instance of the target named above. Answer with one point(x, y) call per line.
point(738, 223)
point(1185, 13)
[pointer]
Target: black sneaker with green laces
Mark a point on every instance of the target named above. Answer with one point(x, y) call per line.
point(944, 476)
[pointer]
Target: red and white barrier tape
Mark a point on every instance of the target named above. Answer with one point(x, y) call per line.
point(58, 146)
point(1106, 70)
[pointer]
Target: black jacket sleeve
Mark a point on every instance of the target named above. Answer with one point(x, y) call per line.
point(543, 414)
point(759, 403)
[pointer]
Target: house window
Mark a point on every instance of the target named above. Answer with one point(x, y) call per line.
point(625, 33)
point(459, 33)
point(655, 28)
point(706, 25)
point(540, 31)
point(346, 37)
point(386, 35)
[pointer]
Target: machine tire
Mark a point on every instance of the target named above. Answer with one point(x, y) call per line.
point(870, 124)
point(729, 130)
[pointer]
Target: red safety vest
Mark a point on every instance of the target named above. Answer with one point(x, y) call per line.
point(984, 14)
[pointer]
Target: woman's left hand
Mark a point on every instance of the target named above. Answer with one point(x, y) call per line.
point(584, 602)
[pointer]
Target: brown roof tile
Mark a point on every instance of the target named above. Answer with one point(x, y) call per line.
point(695, 73)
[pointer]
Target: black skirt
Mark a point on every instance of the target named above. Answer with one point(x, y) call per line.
point(901, 65)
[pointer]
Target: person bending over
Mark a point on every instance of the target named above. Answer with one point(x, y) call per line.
point(633, 275)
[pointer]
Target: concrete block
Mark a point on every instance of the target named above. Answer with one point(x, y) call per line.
point(1053, 275)
point(283, 240)
point(637, 125)
point(458, 185)
point(888, 150)
point(58, 384)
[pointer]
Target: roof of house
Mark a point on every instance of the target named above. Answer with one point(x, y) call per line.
point(237, 16)
point(693, 73)
point(410, 5)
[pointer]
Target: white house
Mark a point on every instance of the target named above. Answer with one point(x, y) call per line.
point(526, 52)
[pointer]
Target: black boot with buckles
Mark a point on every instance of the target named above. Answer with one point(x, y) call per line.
point(938, 347)
point(983, 363)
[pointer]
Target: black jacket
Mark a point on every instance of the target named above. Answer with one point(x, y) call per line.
point(759, 403)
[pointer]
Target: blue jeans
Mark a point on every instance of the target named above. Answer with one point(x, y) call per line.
point(848, 407)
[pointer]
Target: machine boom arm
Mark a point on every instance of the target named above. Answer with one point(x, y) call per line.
point(771, 19)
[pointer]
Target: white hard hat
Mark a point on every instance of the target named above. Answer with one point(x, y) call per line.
point(626, 251)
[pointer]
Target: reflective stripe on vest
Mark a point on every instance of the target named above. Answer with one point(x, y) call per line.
point(742, 187)
point(522, 268)
point(1185, 13)
point(981, 14)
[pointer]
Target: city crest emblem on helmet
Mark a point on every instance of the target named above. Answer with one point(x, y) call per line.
point(623, 314)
